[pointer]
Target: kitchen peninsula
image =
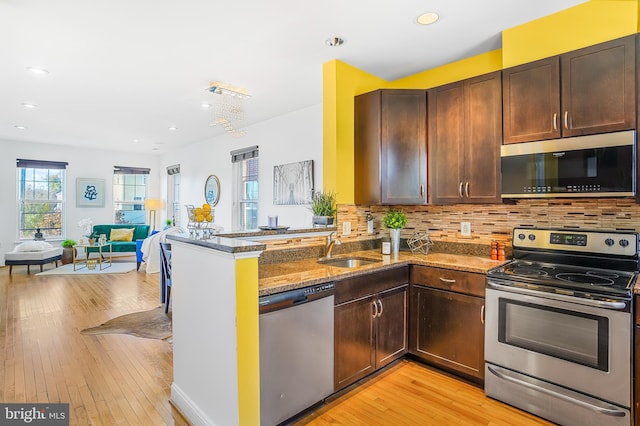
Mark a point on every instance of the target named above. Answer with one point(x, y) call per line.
point(215, 313)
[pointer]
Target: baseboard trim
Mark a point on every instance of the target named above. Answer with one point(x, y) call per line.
point(188, 409)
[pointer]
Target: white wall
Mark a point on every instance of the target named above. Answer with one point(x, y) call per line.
point(296, 136)
point(83, 163)
point(289, 138)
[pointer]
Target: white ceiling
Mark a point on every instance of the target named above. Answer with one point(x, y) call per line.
point(128, 69)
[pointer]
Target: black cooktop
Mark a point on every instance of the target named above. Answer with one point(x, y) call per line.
point(569, 277)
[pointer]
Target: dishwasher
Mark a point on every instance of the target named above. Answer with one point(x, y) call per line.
point(296, 351)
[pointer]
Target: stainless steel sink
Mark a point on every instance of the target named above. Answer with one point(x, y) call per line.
point(347, 262)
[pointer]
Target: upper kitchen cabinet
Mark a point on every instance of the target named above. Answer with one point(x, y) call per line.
point(465, 134)
point(390, 143)
point(587, 91)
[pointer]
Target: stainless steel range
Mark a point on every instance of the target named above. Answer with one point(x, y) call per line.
point(558, 325)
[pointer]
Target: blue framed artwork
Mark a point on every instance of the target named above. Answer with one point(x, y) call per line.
point(89, 192)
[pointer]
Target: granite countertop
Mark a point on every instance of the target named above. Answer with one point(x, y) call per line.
point(279, 277)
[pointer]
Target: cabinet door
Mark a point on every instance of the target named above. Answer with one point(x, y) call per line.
point(404, 147)
point(354, 340)
point(446, 142)
point(391, 326)
point(531, 101)
point(483, 138)
point(448, 330)
point(598, 88)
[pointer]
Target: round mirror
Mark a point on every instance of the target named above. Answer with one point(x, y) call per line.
point(212, 190)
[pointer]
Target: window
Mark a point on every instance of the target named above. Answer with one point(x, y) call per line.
point(173, 193)
point(129, 193)
point(245, 194)
point(41, 189)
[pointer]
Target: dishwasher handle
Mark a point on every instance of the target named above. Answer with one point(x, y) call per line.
point(287, 299)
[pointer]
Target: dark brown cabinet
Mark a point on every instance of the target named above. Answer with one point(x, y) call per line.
point(465, 134)
point(447, 325)
point(370, 323)
point(587, 91)
point(390, 147)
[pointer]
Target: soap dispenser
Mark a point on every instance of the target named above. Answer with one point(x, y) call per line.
point(369, 218)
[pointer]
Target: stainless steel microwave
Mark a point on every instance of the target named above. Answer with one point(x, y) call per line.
point(601, 165)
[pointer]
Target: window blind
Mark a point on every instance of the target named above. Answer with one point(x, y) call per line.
point(41, 164)
point(123, 170)
point(244, 154)
point(173, 170)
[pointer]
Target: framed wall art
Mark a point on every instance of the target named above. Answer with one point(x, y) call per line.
point(89, 192)
point(293, 183)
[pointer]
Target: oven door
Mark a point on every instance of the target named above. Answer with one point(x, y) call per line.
point(561, 339)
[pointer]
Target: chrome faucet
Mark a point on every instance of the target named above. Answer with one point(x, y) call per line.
point(331, 241)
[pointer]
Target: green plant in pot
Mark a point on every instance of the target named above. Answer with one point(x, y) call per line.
point(323, 207)
point(67, 251)
point(395, 220)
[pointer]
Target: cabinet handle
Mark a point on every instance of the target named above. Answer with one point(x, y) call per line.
point(448, 281)
point(421, 190)
point(482, 315)
point(380, 304)
point(375, 309)
point(460, 190)
point(555, 121)
point(466, 189)
point(566, 120)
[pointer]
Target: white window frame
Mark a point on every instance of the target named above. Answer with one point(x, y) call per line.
point(26, 195)
point(173, 194)
point(130, 190)
point(246, 191)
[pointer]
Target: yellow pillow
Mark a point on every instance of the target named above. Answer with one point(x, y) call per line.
point(121, 234)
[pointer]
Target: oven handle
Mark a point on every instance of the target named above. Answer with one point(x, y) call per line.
point(601, 410)
point(619, 306)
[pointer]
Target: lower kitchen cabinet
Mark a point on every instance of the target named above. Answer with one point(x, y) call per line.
point(370, 323)
point(447, 325)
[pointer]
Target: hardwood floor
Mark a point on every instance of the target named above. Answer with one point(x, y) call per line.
point(116, 379)
point(110, 379)
point(411, 394)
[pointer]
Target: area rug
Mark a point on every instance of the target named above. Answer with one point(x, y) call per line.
point(153, 324)
point(116, 268)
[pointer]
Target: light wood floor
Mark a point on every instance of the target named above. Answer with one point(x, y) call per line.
point(412, 394)
point(117, 379)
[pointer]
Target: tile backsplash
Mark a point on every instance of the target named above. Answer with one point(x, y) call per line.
point(496, 221)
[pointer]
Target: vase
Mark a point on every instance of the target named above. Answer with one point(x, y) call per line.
point(395, 240)
point(323, 220)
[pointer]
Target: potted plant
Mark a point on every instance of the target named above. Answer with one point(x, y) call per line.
point(395, 220)
point(67, 251)
point(323, 207)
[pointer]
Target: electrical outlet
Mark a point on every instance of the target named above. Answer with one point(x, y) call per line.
point(346, 228)
point(465, 229)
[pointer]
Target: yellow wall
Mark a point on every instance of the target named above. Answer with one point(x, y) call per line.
point(341, 82)
point(247, 335)
point(580, 26)
point(583, 25)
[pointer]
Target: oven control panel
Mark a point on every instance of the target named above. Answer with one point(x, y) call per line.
point(619, 243)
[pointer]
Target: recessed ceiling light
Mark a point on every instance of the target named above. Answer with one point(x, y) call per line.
point(36, 70)
point(173, 128)
point(155, 149)
point(20, 127)
point(334, 41)
point(428, 18)
point(205, 105)
point(28, 105)
point(135, 140)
